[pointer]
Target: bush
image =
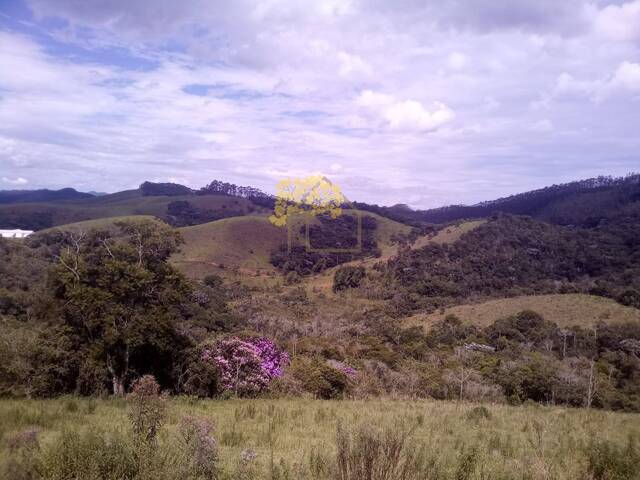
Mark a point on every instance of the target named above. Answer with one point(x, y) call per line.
point(147, 409)
point(479, 413)
point(201, 379)
point(316, 377)
point(199, 447)
point(378, 454)
point(348, 277)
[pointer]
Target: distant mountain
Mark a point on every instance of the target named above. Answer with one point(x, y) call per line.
point(31, 196)
point(584, 202)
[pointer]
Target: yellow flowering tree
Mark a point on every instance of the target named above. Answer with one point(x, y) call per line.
point(313, 195)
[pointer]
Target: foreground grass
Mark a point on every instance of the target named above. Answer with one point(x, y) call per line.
point(296, 439)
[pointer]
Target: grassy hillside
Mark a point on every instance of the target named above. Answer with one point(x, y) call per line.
point(297, 439)
point(99, 223)
point(131, 202)
point(449, 234)
point(242, 243)
point(565, 310)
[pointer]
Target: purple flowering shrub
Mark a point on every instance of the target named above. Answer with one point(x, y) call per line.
point(348, 370)
point(246, 366)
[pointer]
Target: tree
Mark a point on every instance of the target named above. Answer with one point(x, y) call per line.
point(246, 366)
point(117, 292)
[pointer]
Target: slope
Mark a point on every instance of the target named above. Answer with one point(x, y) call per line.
point(565, 310)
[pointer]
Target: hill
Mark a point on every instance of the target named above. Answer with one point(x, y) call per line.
point(99, 223)
point(447, 234)
point(28, 196)
point(583, 202)
point(176, 210)
point(237, 243)
point(511, 255)
point(565, 310)
point(245, 244)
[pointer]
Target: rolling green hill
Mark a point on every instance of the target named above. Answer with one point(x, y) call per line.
point(242, 243)
point(38, 216)
point(101, 223)
point(565, 310)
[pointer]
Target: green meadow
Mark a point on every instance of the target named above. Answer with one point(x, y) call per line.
point(85, 438)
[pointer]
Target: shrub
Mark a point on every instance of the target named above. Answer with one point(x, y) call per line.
point(147, 409)
point(348, 277)
point(378, 454)
point(201, 379)
point(199, 446)
point(479, 413)
point(214, 281)
point(316, 377)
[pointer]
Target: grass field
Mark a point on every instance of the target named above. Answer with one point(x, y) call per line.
point(449, 234)
point(243, 243)
point(296, 439)
point(101, 223)
point(566, 310)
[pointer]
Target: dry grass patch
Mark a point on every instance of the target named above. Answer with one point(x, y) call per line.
point(565, 310)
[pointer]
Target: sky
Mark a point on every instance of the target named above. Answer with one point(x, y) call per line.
point(426, 102)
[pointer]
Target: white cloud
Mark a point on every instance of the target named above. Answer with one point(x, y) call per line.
point(618, 22)
point(567, 84)
point(457, 61)
point(405, 114)
point(336, 168)
point(246, 90)
point(353, 65)
point(627, 76)
point(15, 181)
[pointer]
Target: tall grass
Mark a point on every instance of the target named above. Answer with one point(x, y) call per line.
point(76, 438)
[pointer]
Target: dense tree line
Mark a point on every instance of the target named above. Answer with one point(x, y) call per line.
point(111, 309)
point(256, 195)
point(169, 189)
point(566, 204)
point(327, 239)
point(183, 213)
point(512, 255)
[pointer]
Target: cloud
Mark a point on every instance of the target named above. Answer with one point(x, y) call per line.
point(353, 65)
point(627, 76)
point(404, 114)
point(457, 60)
point(618, 22)
point(336, 168)
point(100, 93)
point(15, 181)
